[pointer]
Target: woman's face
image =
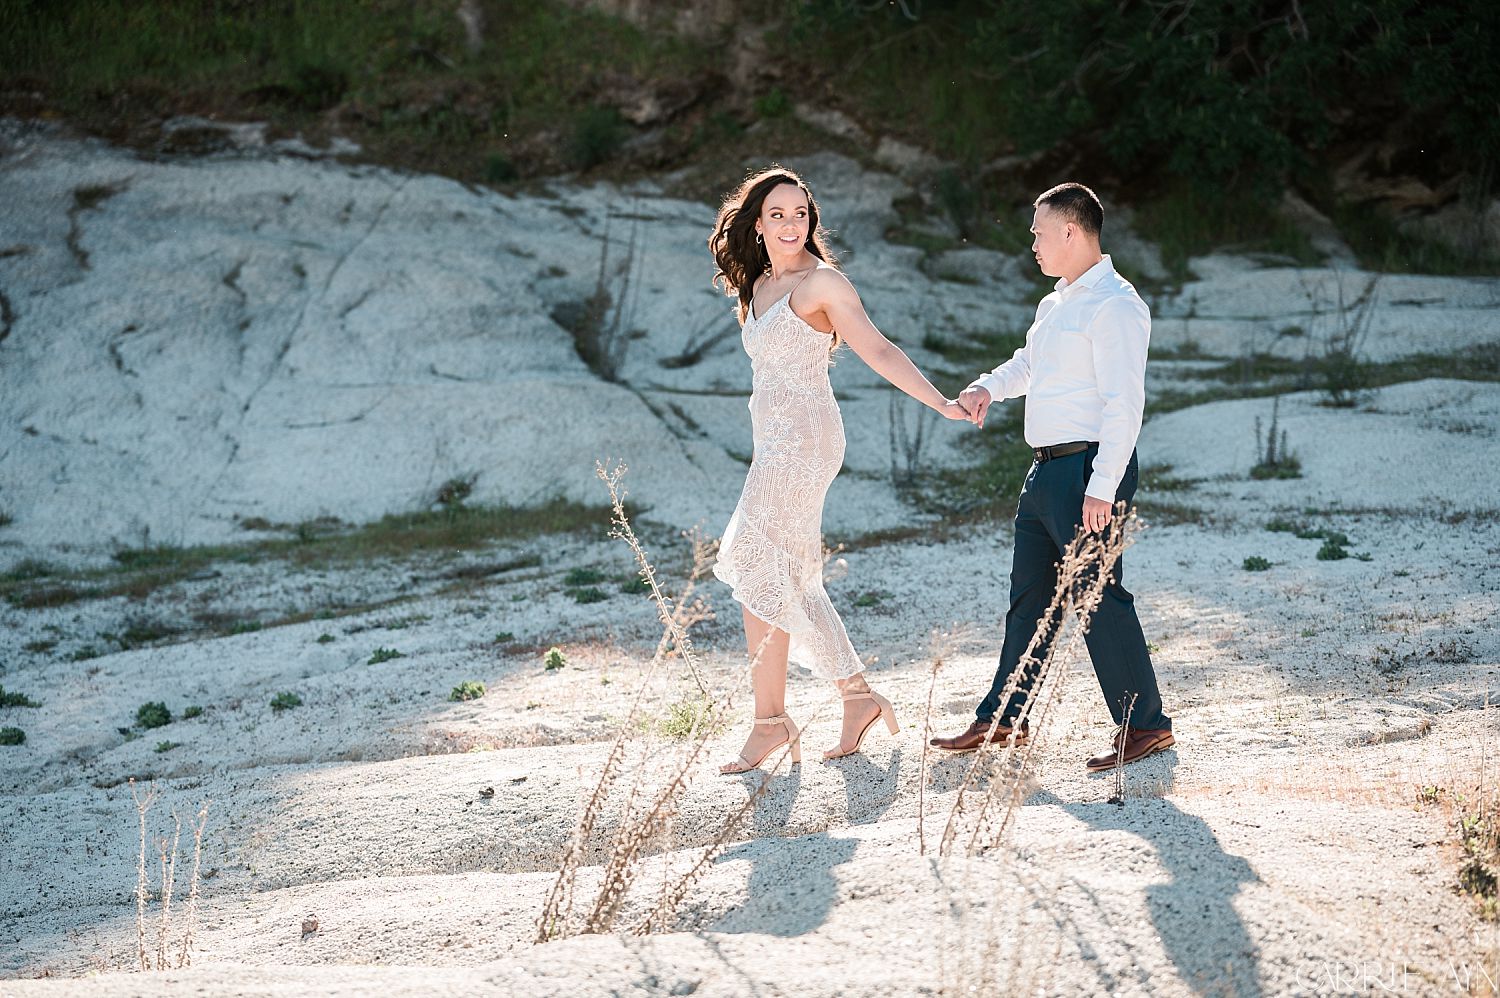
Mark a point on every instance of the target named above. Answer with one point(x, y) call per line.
point(783, 221)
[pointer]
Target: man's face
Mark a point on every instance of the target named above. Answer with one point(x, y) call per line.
point(1049, 240)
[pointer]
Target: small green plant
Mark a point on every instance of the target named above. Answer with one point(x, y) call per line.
point(1255, 563)
point(39, 646)
point(636, 586)
point(871, 597)
point(285, 700)
point(244, 627)
point(383, 655)
point(454, 491)
point(583, 577)
point(588, 594)
point(12, 736)
point(14, 699)
point(188, 713)
point(597, 134)
point(1401, 573)
point(1276, 459)
point(499, 170)
point(5, 519)
point(1281, 526)
point(772, 104)
point(684, 717)
point(504, 638)
point(325, 638)
point(167, 746)
point(153, 714)
point(554, 659)
point(469, 689)
point(1332, 550)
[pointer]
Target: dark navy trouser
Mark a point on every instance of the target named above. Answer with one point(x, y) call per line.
point(1049, 513)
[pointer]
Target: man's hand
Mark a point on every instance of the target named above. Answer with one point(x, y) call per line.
point(1096, 514)
point(977, 402)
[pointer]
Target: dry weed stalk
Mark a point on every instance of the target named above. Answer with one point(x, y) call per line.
point(676, 631)
point(640, 825)
point(939, 644)
point(167, 852)
point(1086, 567)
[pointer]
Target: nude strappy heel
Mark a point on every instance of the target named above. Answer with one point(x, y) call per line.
point(886, 711)
point(793, 738)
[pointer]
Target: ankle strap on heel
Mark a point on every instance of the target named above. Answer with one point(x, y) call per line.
point(776, 719)
point(866, 695)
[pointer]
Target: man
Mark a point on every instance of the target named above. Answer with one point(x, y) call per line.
point(1082, 370)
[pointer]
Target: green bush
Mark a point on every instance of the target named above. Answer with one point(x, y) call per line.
point(14, 699)
point(582, 577)
point(589, 594)
point(383, 655)
point(772, 104)
point(285, 700)
point(12, 736)
point(1332, 550)
point(167, 746)
point(469, 689)
point(153, 715)
point(597, 134)
point(1255, 563)
point(554, 659)
point(188, 713)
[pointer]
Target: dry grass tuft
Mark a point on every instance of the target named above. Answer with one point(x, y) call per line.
point(171, 952)
point(1084, 571)
point(661, 776)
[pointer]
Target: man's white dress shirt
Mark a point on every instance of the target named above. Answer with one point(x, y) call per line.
point(1083, 371)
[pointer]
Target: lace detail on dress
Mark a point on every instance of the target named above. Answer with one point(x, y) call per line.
point(771, 554)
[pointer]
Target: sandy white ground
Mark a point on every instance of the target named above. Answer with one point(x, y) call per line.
point(1283, 847)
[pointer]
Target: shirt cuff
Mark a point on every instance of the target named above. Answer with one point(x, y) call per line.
point(1102, 488)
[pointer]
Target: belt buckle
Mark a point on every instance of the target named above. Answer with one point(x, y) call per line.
point(1043, 454)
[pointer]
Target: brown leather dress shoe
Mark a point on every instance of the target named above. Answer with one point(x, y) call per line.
point(1139, 743)
point(974, 737)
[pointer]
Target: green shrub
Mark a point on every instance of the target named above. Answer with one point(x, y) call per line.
point(188, 713)
point(1332, 550)
point(772, 104)
point(14, 699)
point(583, 577)
point(554, 659)
point(285, 700)
point(499, 170)
point(597, 135)
point(324, 639)
point(589, 594)
point(1255, 563)
point(12, 736)
point(504, 637)
point(167, 746)
point(153, 715)
point(383, 655)
point(469, 689)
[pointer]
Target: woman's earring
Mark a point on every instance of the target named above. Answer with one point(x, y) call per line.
point(758, 238)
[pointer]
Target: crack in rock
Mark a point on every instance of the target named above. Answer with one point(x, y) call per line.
point(85, 199)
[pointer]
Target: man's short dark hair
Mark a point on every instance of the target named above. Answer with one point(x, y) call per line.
point(1077, 204)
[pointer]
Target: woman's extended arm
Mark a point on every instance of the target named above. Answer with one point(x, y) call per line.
point(840, 302)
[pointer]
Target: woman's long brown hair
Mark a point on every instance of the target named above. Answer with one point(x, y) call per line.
point(738, 258)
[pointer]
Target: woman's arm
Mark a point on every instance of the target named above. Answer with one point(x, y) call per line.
point(840, 302)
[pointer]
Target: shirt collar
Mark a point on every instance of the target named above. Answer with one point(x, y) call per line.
point(1089, 277)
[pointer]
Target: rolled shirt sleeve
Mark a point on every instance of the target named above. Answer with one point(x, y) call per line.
point(1119, 334)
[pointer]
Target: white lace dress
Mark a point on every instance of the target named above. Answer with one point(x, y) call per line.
point(771, 554)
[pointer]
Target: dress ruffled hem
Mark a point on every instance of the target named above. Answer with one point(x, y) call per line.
point(792, 620)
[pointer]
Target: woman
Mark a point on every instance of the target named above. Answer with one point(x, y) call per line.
point(794, 308)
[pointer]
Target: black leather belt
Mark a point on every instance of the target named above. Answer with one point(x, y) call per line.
point(1060, 450)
